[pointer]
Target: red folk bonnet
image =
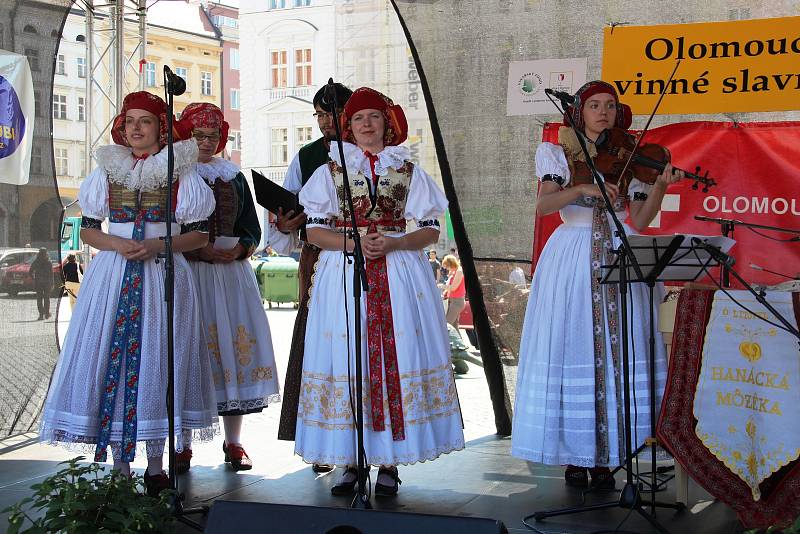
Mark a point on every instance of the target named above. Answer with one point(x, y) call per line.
point(366, 98)
point(205, 115)
point(152, 104)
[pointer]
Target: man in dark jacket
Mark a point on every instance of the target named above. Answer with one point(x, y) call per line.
point(42, 274)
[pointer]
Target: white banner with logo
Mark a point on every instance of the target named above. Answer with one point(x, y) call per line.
point(747, 401)
point(527, 81)
point(16, 118)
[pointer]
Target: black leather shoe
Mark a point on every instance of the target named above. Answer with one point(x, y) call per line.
point(602, 478)
point(343, 487)
point(577, 477)
point(155, 484)
point(382, 490)
point(323, 468)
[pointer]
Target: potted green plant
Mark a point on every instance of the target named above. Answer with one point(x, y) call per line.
point(80, 498)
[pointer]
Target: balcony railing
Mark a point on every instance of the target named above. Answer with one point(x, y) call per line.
point(283, 92)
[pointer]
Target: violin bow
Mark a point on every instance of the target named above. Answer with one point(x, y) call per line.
point(650, 119)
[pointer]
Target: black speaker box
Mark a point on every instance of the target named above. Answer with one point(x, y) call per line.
point(232, 517)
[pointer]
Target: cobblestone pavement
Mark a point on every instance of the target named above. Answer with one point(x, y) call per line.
point(31, 354)
point(28, 354)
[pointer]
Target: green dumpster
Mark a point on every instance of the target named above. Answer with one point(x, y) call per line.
point(277, 280)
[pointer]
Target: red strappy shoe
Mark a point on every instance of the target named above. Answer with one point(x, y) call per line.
point(237, 457)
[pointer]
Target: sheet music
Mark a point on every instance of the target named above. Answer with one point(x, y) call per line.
point(685, 265)
point(225, 242)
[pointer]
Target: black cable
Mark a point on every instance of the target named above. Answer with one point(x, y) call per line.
point(765, 236)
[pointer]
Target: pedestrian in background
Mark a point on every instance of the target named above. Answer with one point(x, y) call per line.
point(72, 279)
point(455, 290)
point(42, 274)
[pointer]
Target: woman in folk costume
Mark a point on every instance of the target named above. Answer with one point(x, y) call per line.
point(569, 404)
point(110, 384)
point(235, 324)
point(411, 411)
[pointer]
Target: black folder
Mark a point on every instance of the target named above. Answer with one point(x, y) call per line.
point(272, 196)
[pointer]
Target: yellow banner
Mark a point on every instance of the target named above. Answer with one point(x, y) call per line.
point(726, 67)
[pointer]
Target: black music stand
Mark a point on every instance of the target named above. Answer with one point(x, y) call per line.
point(660, 258)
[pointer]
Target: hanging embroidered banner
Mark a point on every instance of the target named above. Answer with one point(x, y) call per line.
point(748, 393)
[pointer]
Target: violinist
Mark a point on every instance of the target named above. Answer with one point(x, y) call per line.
point(569, 404)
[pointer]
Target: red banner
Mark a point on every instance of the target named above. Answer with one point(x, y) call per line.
point(757, 170)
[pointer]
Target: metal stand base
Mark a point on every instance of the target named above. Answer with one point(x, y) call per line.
point(629, 499)
point(180, 513)
point(361, 502)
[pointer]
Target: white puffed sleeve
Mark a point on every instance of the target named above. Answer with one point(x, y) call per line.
point(195, 199)
point(93, 195)
point(638, 191)
point(319, 199)
point(551, 164)
point(425, 202)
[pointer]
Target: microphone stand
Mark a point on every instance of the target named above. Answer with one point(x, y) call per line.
point(726, 260)
point(629, 498)
point(360, 284)
point(727, 227)
point(171, 90)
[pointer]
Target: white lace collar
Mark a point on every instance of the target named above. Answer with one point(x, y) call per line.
point(390, 157)
point(148, 174)
point(220, 168)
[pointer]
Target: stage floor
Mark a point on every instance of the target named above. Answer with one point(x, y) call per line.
point(481, 481)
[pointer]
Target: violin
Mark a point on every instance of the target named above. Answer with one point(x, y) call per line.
point(614, 147)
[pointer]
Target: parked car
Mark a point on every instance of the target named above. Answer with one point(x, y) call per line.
point(10, 258)
point(15, 275)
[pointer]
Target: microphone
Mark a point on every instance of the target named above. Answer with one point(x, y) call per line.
point(715, 252)
point(565, 98)
point(760, 268)
point(328, 96)
point(175, 84)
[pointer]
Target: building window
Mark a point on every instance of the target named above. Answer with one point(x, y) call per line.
point(81, 108)
point(302, 136)
point(61, 67)
point(82, 154)
point(234, 58)
point(181, 71)
point(81, 67)
point(33, 58)
point(279, 68)
point(37, 104)
point(59, 106)
point(62, 162)
point(235, 140)
point(205, 82)
point(302, 3)
point(280, 146)
point(36, 159)
point(302, 66)
point(235, 99)
point(277, 4)
point(150, 74)
point(222, 20)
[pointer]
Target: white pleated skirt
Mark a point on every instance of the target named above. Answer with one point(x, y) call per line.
point(431, 413)
point(554, 414)
point(71, 411)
